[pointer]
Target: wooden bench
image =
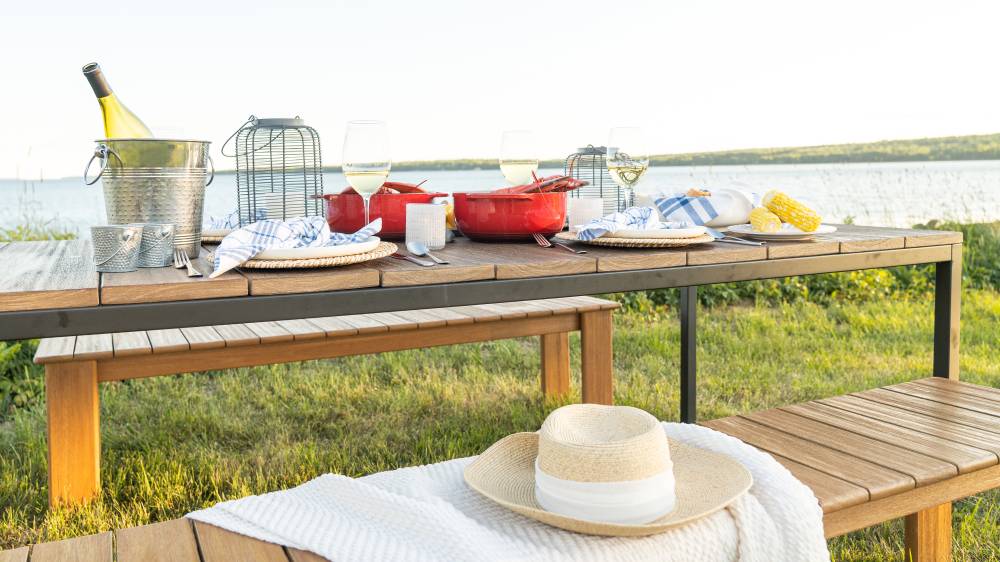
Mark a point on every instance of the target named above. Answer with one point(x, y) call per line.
point(74, 365)
point(906, 450)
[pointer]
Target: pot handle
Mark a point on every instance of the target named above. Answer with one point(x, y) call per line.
point(516, 196)
point(102, 151)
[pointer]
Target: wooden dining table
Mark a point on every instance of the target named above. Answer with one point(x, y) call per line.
point(51, 288)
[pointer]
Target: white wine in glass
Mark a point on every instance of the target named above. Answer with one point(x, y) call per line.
point(366, 161)
point(627, 158)
point(518, 157)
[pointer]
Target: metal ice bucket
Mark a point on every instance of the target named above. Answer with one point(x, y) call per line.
point(155, 181)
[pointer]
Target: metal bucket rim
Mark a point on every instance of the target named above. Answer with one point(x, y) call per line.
point(151, 140)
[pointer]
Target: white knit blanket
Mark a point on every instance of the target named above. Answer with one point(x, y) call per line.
point(427, 513)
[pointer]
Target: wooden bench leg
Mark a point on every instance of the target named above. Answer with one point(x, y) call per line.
point(74, 431)
point(555, 364)
point(595, 342)
point(928, 535)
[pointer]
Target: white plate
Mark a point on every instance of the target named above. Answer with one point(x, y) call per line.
point(319, 251)
point(692, 232)
point(787, 232)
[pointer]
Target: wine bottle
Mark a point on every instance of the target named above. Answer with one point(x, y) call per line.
point(119, 121)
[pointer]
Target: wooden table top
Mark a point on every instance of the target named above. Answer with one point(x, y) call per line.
point(61, 275)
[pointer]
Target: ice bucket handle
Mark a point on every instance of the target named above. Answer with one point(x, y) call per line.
point(211, 175)
point(103, 151)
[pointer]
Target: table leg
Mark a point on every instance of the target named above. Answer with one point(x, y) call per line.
point(74, 431)
point(595, 357)
point(555, 364)
point(947, 308)
point(689, 387)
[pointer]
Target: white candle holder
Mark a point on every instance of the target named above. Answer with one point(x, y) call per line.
point(425, 224)
point(582, 210)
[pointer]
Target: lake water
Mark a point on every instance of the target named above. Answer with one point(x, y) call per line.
point(880, 194)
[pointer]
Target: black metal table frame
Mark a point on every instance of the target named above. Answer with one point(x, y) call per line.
point(947, 260)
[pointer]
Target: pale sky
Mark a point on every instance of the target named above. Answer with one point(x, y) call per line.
point(449, 77)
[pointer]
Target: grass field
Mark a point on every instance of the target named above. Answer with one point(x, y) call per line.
point(175, 444)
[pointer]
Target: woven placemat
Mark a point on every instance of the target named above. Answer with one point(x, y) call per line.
point(211, 239)
point(638, 242)
point(382, 250)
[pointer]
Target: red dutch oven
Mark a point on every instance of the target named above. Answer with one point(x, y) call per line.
point(509, 216)
point(345, 212)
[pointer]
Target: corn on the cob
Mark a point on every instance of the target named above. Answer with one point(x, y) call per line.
point(791, 211)
point(763, 220)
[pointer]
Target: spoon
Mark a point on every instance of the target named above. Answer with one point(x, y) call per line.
point(420, 249)
point(720, 237)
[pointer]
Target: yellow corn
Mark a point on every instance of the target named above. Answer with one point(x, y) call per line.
point(763, 220)
point(791, 211)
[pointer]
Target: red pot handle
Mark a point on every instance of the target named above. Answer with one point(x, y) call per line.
point(515, 196)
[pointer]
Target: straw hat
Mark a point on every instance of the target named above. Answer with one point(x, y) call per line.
point(606, 470)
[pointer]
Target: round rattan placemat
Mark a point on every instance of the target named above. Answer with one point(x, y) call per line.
point(638, 242)
point(211, 239)
point(382, 250)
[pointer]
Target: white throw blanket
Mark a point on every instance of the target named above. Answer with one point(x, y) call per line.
point(427, 513)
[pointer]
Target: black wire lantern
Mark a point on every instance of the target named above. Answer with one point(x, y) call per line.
point(279, 172)
point(590, 164)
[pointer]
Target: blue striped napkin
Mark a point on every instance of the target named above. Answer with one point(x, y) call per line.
point(304, 232)
point(633, 218)
point(230, 221)
point(696, 210)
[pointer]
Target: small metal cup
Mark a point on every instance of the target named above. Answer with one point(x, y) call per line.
point(157, 247)
point(116, 247)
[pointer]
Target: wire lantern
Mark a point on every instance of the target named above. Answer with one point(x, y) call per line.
point(279, 172)
point(590, 164)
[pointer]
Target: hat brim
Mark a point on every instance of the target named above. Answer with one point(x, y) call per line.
point(705, 483)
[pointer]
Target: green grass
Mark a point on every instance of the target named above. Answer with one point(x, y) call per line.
point(175, 444)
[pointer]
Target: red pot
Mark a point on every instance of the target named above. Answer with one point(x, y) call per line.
point(509, 216)
point(345, 212)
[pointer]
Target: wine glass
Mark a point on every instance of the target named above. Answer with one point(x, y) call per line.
point(518, 157)
point(627, 157)
point(366, 160)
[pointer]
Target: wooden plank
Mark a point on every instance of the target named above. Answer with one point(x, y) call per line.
point(596, 366)
point(237, 335)
point(161, 284)
point(73, 410)
point(555, 364)
point(94, 346)
point(131, 343)
point(831, 492)
point(296, 555)
point(91, 548)
point(604, 304)
point(802, 248)
point(463, 267)
point(169, 541)
point(585, 304)
point(393, 322)
point(479, 313)
point(706, 254)
point(421, 318)
point(966, 457)
point(203, 337)
point(451, 317)
point(15, 555)
point(211, 359)
point(928, 535)
point(334, 326)
point(940, 428)
point(283, 282)
point(365, 324)
point(631, 259)
point(931, 408)
point(916, 238)
point(531, 309)
point(52, 274)
point(982, 405)
point(922, 468)
point(959, 387)
point(220, 545)
point(854, 238)
point(55, 349)
point(302, 329)
point(878, 480)
point(270, 332)
point(167, 341)
point(527, 259)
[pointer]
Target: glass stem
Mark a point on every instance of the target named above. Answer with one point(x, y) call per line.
point(367, 198)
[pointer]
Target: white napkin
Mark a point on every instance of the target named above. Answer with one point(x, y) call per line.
point(633, 218)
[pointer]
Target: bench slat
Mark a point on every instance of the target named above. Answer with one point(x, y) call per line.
point(450, 316)
point(967, 458)
point(922, 468)
point(55, 349)
point(955, 386)
point(392, 321)
point(302, 329)
point(981, 405)
point(170, 541)
point(939, 428)
point(220, 545)
point(94, 346)
point(237, 335)
point(832, 492)
point(478, 313)
point(131, 343)
point(878, 480)
point(167, 341)
point(931, 408)
point(364, 323)
point(421, 318)
point(203, 337)
point(334, 326)
point(270, 332)
point(91, 548)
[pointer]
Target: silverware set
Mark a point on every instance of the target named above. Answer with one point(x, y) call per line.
point(181, 260)
point(546, 243)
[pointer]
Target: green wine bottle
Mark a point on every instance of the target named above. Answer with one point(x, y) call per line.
point(119, 121)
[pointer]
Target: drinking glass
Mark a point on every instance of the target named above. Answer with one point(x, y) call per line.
point(627, 157)
point(366, 160)
point(518, 157)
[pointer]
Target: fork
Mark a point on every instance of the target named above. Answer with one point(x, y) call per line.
point(181, 259)
point(546, 243)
